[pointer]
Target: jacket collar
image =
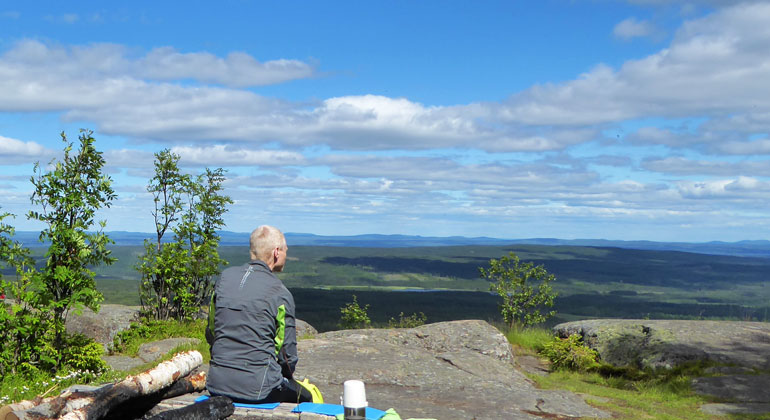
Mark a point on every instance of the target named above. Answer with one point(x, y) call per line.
point(260, 263)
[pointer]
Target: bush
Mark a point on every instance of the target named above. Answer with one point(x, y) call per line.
point(570, 353)
point(354, 316)
point(83, 354)
point(132, 334)
point(411, 321)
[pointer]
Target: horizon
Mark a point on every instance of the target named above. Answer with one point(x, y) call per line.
point(624, 120)
point(427, 237)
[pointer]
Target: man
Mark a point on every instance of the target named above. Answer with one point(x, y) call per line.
point(253, 337)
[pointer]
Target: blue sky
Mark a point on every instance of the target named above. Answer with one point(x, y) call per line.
point(633, 120)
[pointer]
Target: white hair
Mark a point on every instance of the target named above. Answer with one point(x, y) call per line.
point(264, 240)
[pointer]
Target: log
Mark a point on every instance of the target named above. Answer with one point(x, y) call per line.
point(194, 382)
point(138, 407)
point(7, 411)
point(97, 404)
point(145, 383)
point(213, 408)
point(42, 408)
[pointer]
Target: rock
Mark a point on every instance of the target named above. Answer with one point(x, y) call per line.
point(459, 369)
point(124, 363)
point(149, 352)
point(102, 326)
point(736, 388)
point(740, 348)
point(305, 330)
point(725, 409)
point(669, 343)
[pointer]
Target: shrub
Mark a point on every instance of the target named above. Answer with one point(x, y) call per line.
point(135, 332)
point(411, 321)
point(354, 316)
point(570, 353)
point(84, 354)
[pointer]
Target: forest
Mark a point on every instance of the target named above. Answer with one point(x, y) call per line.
point(444, 282)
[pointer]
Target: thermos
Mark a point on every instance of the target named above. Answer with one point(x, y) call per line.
point(354, 400)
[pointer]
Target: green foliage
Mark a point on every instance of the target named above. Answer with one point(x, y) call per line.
point(32, 325)
point(83, 354)
point(531, 338)
point(68, 197)
point(630, 400)
point(17, 387)
point(128, 341)
point(354, 316)
point(136, 332)
point(570, 353)
point(411, 321)
point(24, 323)
point(198, 230)
point(524, 288)
point(177, 276)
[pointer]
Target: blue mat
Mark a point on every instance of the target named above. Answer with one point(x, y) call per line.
point(333, 410)
point(265, 406)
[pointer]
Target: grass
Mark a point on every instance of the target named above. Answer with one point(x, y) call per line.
point(626, 394)
point(127, 342)
point(18, 387)
point(531, 339)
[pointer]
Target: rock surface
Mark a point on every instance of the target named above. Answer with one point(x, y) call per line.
point(742, 349)
point(668, 343)
point(149, 352)
point(447, 370)
point(305, 330)
point(465, 369)
point(103, 325)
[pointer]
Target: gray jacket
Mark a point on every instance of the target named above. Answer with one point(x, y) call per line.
point(254, 333)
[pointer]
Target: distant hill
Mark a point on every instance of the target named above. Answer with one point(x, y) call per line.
point(741, 248)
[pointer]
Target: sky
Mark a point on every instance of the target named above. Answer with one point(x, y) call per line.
point(626, 120)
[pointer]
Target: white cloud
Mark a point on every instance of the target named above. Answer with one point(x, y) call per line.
point(221, 155)
point(237, 69)
point(30, 61)
point(754, 147)
point(96, 83)
point(742, 188)
point(14, 151)
point(128, 158)
point(633, 28)
point(683, 166)
point(710, 68)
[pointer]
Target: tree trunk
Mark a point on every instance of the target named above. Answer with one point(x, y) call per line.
point(138, 407)
point(214, 408)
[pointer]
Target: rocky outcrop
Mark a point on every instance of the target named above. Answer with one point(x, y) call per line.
point(459, 369)
point(741, 351)
point(668, 343)
point(103, 325)
point(305, 330)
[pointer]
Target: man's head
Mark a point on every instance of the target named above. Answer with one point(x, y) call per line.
point(268, 244)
